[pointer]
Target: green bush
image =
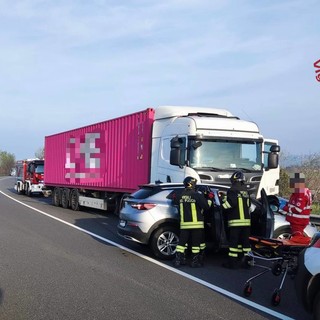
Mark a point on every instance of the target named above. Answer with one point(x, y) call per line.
point(315, 208)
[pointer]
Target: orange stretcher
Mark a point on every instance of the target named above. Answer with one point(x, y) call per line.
point(278, 256)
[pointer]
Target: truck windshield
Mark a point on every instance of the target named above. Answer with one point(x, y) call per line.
point(39, 168)
point(225, 154)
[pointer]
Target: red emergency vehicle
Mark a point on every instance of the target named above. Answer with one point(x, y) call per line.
point(29, 176)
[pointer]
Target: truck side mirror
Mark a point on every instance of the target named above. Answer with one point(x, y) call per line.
point(175, 153)
point(196, 145)
point(275, 148)
point(273, 157)
point(175, 143)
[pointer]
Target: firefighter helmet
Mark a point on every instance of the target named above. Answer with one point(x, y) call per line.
point(237, 176)
point(190, 182)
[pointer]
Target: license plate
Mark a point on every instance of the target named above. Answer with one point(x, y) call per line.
point(122, 223)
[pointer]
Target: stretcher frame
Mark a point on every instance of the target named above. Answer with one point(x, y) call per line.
point(280, 258)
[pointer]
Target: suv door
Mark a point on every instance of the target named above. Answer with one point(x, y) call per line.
point(262, 218)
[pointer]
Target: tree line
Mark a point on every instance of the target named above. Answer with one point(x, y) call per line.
point(8, 161)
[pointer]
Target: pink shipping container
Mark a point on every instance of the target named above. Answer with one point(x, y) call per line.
point(113, 155)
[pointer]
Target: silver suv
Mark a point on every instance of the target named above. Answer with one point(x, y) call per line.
point(149, 217)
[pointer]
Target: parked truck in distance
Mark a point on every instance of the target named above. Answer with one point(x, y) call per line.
point(29, 176)
point(96, 165)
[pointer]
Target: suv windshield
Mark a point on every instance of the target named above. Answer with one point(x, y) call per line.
point(225, 154)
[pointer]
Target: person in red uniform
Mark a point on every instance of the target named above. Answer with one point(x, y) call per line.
point(298, 208)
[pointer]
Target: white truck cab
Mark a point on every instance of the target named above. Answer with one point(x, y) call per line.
point(210, 144)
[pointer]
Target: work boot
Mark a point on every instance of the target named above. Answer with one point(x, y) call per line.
point(231, 264)
point(195, 263)
point(180, 259)
point(201, 258)
point(245, 262)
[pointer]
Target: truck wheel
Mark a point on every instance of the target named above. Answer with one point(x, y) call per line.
point(74, 200)
point(56, 197)
point(28, 191)
point(164, 241)
point(65, 198)
point(19, 190)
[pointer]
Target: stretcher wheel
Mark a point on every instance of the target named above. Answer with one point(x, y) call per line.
point(276, 297)
point(247, 289)
point(277, 269)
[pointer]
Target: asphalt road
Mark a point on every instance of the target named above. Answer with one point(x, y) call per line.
point(60, 264)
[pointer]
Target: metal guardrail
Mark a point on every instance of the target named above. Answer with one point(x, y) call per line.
point(315, 219)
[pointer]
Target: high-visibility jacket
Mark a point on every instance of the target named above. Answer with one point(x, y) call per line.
point(237, 203)
point(298, 208)
point(191, 206)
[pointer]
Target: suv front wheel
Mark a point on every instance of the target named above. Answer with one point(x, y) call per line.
point(164, 241)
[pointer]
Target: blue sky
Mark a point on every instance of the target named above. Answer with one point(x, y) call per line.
point(69, 63)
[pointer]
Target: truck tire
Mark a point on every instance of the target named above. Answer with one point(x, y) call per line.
point(65, 198)
point(28, 190)
point(74, 200)
point(19, 190)
point(56, 197)
point(164, 241)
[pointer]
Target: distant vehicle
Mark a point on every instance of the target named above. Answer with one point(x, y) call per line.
point(148, 217)
point(13, 172)
point(307, 280)
point(29, 176)
point(97, 165)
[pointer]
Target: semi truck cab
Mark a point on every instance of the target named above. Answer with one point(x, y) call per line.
point(210, 145)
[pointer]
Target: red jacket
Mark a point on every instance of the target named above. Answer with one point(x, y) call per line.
point(299, 207)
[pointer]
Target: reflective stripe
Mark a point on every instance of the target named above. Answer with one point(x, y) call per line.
point(299, 216)
point(192, 225)
point(180, 249)
point(195, 249)
point(226, 205)
point(240, 205)
point(239, 223)
point(233, 255)
point(290, 206)
point(194, 212)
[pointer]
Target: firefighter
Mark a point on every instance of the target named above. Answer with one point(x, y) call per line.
point(298, 208)
point(237, 208)
point(191, 204)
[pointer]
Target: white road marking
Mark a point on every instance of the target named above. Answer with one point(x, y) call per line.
point(186, 275)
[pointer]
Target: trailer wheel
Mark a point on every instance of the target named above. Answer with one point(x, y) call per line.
point(120, 203)
point(65, 198)
point(74, 200)
point(56, 197)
